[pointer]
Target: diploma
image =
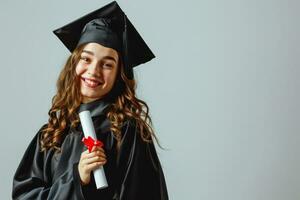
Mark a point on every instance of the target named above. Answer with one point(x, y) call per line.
point(89, 131)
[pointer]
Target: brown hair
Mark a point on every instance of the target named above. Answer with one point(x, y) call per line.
point(63, 111)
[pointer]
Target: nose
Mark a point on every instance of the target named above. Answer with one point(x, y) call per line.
point(94, 70)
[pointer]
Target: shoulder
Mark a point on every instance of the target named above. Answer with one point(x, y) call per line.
point(33, 149)
point(35, 141)
point(133, 130)
point(128, 128)
point(129, 124)
point(40, 131)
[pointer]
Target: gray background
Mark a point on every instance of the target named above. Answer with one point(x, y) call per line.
point(223, 89)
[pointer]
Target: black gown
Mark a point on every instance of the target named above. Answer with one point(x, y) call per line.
point(134, 173)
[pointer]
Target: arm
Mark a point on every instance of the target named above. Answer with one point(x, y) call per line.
point(33, 179)
point(141, 175)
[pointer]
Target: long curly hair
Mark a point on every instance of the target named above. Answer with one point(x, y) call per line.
point(63, 112)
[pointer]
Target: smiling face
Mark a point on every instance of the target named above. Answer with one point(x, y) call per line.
point(97, 70)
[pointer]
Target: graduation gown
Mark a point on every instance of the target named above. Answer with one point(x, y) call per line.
point(133, 173)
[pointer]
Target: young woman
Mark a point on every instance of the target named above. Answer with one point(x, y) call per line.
point(98, 77)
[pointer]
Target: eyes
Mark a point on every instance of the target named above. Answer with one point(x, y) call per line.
point(87, 60)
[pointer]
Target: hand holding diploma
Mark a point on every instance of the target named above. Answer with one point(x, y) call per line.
point(94, 158)
point(89, 142)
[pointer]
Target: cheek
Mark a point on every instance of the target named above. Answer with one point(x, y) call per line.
point(109, 76)
point(79, 69)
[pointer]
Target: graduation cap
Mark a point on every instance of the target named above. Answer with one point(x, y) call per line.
point(110, 27)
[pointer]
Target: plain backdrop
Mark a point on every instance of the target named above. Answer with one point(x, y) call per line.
point(223, 90)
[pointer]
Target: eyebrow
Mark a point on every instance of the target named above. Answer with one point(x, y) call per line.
point(105, 57)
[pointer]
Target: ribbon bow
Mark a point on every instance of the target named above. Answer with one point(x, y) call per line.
point(89, 142)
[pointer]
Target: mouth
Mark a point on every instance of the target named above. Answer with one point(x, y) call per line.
point(90, 83)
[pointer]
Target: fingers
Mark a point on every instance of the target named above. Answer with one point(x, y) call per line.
point(90, 161)
point(97, 148)
point(93, 166)
point(96, 151)
point(93, 154)
point(94, 159)
point(89, 164)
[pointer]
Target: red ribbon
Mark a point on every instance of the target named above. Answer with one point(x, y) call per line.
point(90, 143)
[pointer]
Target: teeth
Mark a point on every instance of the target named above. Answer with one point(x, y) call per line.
point(91, 83)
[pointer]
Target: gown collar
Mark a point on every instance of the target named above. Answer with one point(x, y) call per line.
point(96, 107)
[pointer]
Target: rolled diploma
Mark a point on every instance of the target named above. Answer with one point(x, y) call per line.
point(89, 130)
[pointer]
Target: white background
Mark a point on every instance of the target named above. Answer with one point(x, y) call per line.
point(223, 89)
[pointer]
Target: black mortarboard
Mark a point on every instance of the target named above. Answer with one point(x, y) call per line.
point(110, 27)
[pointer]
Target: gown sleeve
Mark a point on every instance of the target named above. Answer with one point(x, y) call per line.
point(140, 170)
point(33, 179)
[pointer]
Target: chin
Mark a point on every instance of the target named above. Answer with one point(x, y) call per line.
point(89, 96)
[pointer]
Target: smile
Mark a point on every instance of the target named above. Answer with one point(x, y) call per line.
point(90, 83)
